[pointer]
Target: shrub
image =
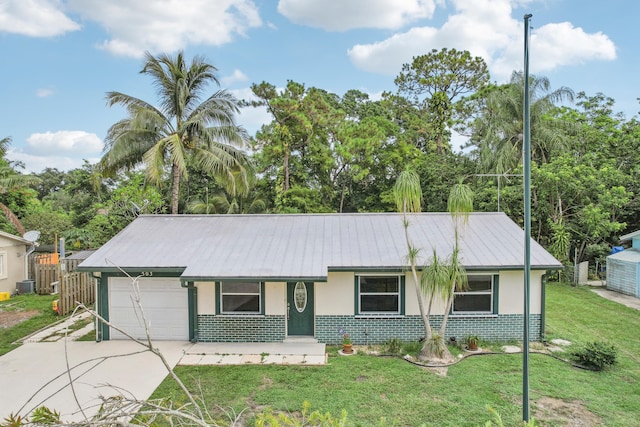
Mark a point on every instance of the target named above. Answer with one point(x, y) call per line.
point(596, 355)
point(393, 346)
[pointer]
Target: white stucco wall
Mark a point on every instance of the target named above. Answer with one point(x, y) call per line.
point(13, 267)
point(206, 297)
point(275, 298)
point(512, 292)
point(336, 296)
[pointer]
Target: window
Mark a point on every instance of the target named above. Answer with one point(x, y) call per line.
point(379, 294)
point(240, 298)
point(478, 297)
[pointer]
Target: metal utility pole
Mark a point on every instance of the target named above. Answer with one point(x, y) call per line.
point(526, 148)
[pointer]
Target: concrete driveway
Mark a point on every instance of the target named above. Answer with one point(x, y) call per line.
point(35, 374)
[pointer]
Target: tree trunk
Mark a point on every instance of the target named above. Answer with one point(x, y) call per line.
point(285, 167)
point(12, 218)
point(175, 190)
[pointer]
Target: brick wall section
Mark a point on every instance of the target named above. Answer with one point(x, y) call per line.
point(363, 330)
point(371, 330)
point(240, 328)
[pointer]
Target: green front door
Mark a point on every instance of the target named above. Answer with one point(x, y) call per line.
point(300, 308)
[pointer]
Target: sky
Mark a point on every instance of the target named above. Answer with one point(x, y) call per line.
point(58, 58)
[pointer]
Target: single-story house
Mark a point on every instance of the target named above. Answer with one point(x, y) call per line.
point(268, 278)
point(13, 264)
point(623, 267)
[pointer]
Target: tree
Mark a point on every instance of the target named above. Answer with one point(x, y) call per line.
point(181, 129)
point(440, 278)
point(10, 180)
point(499, 134)
point(437, 84)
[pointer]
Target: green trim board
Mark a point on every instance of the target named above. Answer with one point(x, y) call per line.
point(253, 279)
point(166, 271)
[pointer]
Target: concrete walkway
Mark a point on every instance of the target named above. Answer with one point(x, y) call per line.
point(295, 353)
point(623, 299)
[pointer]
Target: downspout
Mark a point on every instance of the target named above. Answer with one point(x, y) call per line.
point(97, 324)
point(26, 260)
point(543, 307)
point(192, 303)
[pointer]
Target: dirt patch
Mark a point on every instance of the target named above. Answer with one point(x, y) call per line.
point(12, 318)
point(559, 412)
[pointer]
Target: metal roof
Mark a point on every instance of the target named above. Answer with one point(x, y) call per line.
point(307, 246)
point(629, 255)
point(630, 236)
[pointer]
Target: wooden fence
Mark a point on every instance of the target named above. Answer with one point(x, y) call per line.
point(76, 287)
point(72, 286)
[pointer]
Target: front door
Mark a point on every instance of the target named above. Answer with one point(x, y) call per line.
point(300, 308)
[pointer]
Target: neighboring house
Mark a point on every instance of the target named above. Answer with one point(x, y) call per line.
point(12, 261)
point(623, 268)
point(267, 278)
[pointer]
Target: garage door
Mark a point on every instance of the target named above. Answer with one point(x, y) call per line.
point(165, 305)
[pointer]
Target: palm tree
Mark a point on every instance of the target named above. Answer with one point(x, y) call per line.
point(443, 277)
point(11, 180)
point(181, 130)
point(440, 278)
point(499, 134)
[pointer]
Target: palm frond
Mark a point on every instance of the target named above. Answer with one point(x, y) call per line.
point(407, 192)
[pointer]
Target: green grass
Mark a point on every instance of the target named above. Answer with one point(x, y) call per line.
point(371, 388)
point(46, 316)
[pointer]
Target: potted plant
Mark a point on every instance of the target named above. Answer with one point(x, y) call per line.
point(347, 345)
point(472, 342)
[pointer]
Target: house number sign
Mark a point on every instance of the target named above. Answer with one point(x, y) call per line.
point(300, 296)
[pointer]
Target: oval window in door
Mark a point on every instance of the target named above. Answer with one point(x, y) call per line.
point(300, 296)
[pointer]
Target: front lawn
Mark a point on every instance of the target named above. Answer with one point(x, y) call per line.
point(371, 388)
point(22, 315)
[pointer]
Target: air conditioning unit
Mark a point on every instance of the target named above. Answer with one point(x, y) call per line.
point(26, 286)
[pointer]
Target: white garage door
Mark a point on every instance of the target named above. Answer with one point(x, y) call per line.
point(165, 305)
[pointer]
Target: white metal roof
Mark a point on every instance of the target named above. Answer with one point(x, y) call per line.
point(307, 246)
point(630, 236)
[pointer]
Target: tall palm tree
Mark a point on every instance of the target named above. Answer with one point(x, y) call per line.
point(499, 131)
point(180, 130)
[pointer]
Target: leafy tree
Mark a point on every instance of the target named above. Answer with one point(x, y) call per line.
point(498, 131)
point(437, 85)
point(10, 182)
point(180, 130)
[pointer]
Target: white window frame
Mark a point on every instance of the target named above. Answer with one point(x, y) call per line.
point(490, 292)
point(241, 313)
point(379, 313)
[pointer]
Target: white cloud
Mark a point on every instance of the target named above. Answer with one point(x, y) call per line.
point(169, 25)
point(341, 15)
point(71, 141)
point(44, 92)
point(35, 163)
point(64, 150)
point(235, 77)
point(35, 18)
point(486, 28)
point(251, 118)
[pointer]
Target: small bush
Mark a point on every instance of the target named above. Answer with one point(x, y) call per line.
point(596, 355)
point(393, 346)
